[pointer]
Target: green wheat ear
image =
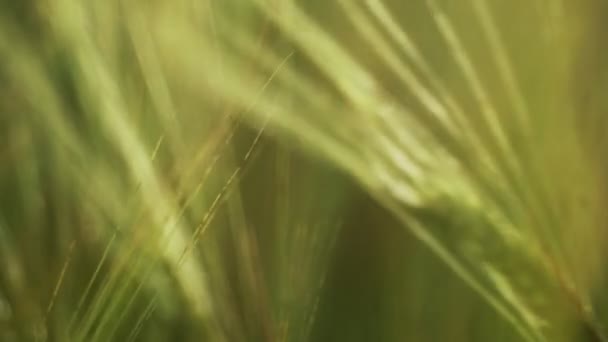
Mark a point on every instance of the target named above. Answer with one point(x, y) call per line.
point(482, 160)
point(152, 185)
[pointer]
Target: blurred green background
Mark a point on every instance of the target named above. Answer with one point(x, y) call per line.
point(200, 170)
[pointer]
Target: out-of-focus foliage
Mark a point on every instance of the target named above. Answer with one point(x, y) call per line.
point(281, 170)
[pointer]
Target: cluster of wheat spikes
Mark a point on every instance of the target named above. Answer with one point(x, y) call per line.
point(158, 179)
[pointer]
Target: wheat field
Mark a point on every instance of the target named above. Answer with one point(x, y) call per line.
point(303, 170)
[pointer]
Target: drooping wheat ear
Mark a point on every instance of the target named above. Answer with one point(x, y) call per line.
point(467, 155)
